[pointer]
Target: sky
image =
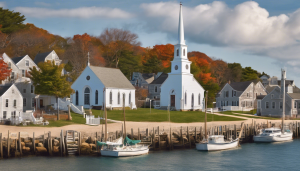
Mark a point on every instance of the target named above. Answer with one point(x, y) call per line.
point(262, 34)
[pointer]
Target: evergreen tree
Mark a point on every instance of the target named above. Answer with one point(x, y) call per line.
point(249, 74)
point(153, 65)
point(11, 21)
point(129, 63)
point(49, 81)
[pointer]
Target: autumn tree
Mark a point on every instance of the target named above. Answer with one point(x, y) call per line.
point(164, 53)
point(49, 81)
point(4, 70)
point(219, 69)
point(115, 41)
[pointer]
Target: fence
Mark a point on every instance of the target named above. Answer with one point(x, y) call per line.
point(91, 120)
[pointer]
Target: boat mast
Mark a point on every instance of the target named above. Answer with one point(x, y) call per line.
point(105, 113)
point(205, 125)
point(124, 116)
point(283, 77)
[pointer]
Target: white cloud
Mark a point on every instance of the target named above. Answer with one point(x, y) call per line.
point(247, 27)
point(83, 12)
point(43, 4)
point(2, 4)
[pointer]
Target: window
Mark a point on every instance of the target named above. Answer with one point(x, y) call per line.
point(183, 52)
point(280, 105)
point(32, 102)
point(251, 104)
point(24, 102)
point(272, 96)
point(273, 105)
point(227, 103)
point(129, 101)
point(76, 98)
point(9, 65)
point(13, 114)
point(177, 52)
point(23, 73)
point(15, 103)
point(185, 98)
point(155, 89)
point(87, 96)
point(31, 88)
point(267, 105)
point(24, 90)
point(110, 98)
point(227, 93)
point(12, 91)
point(295, 104)
point(237, 103)
point(118, 97)
point(192, 101)
point(12, 76)
point(27, 63)
point(6, 102)
point(231, 93)
point(4, 115)
point(199, 99)
point(247, 94)
point(96, 97)
point(234, 93)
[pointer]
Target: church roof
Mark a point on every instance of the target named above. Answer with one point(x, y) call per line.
point(17, 59)
point(240, 86)
point(161, 79)
point(112, 77)
point(40, 57)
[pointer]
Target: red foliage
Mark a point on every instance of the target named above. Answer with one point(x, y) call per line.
point(165, 53)
point(4, 71)
point(199, 55)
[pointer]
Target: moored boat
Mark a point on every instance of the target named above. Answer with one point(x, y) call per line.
point(273, 135)
point(216, 142)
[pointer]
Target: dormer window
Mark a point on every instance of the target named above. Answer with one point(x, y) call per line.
point(27, 63)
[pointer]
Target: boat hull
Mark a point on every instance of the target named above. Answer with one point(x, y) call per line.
point(281, 138)
point(125, 153)
point(216, 146)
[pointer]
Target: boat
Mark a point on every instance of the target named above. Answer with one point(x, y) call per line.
point(273, 135)
point(276, 134)
point(215, 142)
point(120, 148)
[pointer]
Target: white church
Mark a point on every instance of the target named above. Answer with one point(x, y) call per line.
point(181, 91)
point(97, 86)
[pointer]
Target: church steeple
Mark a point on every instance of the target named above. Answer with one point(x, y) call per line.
point(181, 28)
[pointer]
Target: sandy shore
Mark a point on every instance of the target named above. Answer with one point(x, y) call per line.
point(112, 127)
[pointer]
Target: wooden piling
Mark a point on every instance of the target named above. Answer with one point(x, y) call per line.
point(171, 143)
point(181, 136)
point(61, 143)
point(189, 138)
point(1, 147)
point(79, 142)
point(195, 134)
point(20, 145)
point(50, 143)
point(33, 143)
point(8, 145)
point(131, 133)
point(153, 139)
point(139, 136)
point(235, 132)
point(147, 133)
point(158, 137)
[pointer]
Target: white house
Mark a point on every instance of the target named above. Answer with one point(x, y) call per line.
point(98, 84)
point(181, 90)
point(47, 56)
point(15, 73)
point(11, 102)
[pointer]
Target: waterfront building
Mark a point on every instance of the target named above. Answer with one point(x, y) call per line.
point(237, 96)
point(181, 91)
point(98, 84)
point(11, 99)
point(154, 87)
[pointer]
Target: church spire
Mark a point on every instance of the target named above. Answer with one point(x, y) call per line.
point(180, 28)
point(88, 62)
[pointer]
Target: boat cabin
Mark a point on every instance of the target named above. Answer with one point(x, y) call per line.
point(216, 139)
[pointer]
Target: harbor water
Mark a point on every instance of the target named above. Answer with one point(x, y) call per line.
point(250, 156)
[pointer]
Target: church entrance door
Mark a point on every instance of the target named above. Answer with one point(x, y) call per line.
point(172, 100)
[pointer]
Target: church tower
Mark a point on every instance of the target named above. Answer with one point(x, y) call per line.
point(181, 91)
point(180, 63)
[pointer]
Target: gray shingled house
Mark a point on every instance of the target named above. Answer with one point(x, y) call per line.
point(239, 96)
point(154, 86)
point(142, 80)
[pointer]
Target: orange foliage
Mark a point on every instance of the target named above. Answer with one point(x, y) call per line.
point(4, 71)
point(199, 55)
point(206, 77)
point(84, 39)
point(165, 53)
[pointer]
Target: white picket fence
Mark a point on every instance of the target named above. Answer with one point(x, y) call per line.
point(26, 116)
point(91, 120)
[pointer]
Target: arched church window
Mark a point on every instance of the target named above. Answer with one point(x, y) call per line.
point(192, 103)
point(185, 98)
point(119, 98)
point(87, 96)
point(110, 98)
point(177, 52)
point(183, 52)
point(76, 98)
point(96, 97)
point(199, 99)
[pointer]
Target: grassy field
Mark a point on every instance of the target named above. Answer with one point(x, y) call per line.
point(247, 116)
point(246, 112)
point(144, 115)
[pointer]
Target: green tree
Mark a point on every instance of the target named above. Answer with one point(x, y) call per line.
point(129, 63)
point(249, 74)
point(11, 21)
point(49, 81)
point(152, 65)
point(235, 72)
point(263, 73)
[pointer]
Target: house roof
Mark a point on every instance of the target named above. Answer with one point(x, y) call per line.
point(270, 88)
point(4, 88)
point(161, 79)
point(40, 57)
point(294, 95)
point(240, 86)
point(17, 59)
point(260, 96)
point(112, 77)
point(147, 75)
point(287, 82)
point(296, 89)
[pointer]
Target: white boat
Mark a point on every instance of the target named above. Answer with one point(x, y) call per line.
point(273, 135)
point(118, 149)
point(216, 142)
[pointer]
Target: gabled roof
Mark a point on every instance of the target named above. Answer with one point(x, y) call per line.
point(4, 88)
point(161, 79)
point(112, 77)
point(294, 95)
point(40, 57)
point(296, 89)
point(17, 59)
point(269, 89)
point(260, 96)
point(240, 86)
point(287, 82)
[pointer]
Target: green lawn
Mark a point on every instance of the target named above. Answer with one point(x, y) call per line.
point(247, 116)
point(246, 112)
point(144, 115)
